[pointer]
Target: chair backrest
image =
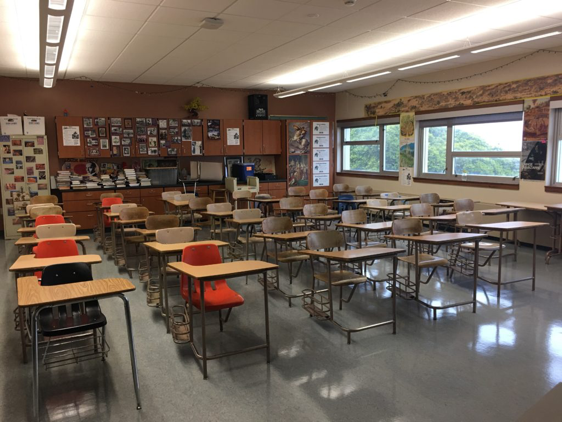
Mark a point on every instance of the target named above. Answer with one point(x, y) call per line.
point(340, 187)
point(111, 195)
point(157, 222)
point(421, 210)
point(241, 194)
point(377, 202)
point(327, 239)
point(54, 248)
point(119, 207)
point(52, 231)
point(31, 206)
point(108, 202)
point(175, 235)
point(292, 202)
point(390, 195)
point(44, 199)
point(464, 205)
point(318, 194)
point(231, 184)
point(311, 210)
point(407, 226)
point(134, 213)
point(171, 194)
point(430, 198)
point(199, 204)
point(52, 210)
point(54, 275)
point(253, 183)
point(220, 207)
point(249, 214)
point(272, 225)
point(296, 190)
point(469, 217)
point(49, 219)
point(201, 255)
point(363, 190)
point(263, 196)
point(354, 217)
point(184, 197)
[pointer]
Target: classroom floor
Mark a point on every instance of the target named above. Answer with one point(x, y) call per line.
point(488, 366)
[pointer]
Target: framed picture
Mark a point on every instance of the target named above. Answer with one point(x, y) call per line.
point(152, 151)
point(126, 151)
point(140, 121)
point(115, 121)
point(92, 142)
point(126, 141)
point(172, 151)
point(186, 122)
point(99, 121)
point(298, 170)
point(152, 142)
point(88, 122)
point(128, 123)
point(174, 122)
point(299, 137)
point(186, 133)
point(141, 139)
point(94, 152)
point(163, 123)
point(152, 131)
point(151, 121)
point(174, 131)
point(163, 135)
point(115, 151)
point(102, 131)
point(213, 129)
point(143, 149)
point(196, 122)
point(128, 133)
point(176, 140)
point(115, 140)
point(228, 162)
point(116, 129)
point(104, 143)
point(141, 130)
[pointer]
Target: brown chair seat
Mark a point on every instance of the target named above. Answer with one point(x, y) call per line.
point(251, 239)
point(224, 230)
point(425, 260)
point(332, 212)
point(342, 278)
point(135, 239)
point(288, 256)
point(484, 246)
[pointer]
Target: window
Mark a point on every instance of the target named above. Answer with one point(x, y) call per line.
point(557, 149)
point(371, 149)
point(477, 148)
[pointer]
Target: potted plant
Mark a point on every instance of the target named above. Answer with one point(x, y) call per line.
point(194, 107)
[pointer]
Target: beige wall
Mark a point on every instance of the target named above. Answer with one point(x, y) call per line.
point(348, 107)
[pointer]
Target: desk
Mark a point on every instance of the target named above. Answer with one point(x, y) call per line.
point(319, 219)
point(512, 226)
point(401, 198)
point(356, 256)
point(114, 221)
point(436, 207)
point(30, 231)
point(31, 294)
point(250, 226)
point(201, 274)
point(163, 250)
point(387, 209)
point(267, 204)
point(384, 227)
point(556, 211)
point(28, 264)
point(445, 288)
point(220, 216)
point(29, 242)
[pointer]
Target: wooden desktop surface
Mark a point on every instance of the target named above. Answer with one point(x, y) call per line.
point(555, 207)
point(534, 206)
point(286, 236)
point(178, 247)
point(31, 293)
point(387, 207)
point(30, 240)
point(328, 217)
point(245, 221)
point(508, 225)
point(371, 227)
point(438, 239)
point(224, 270)
point(29, 262)
point(352, 255)
point(24, 230)
point(218, 214)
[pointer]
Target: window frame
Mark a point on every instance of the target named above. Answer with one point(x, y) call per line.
point(381, 124)
point(556, 152)
point(450, 123)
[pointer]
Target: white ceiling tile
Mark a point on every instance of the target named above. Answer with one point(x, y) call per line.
point(241, 23)
point(169, 15)
point(150, 2)
point(490, 3)
point(401, 7)
point(407, 26)
point(228, 37)
point(263, 9)
point(216, 6)
point(98, 23)
point(168, 30)
point(120, 10)
point(264, 40)
point(530, 25)
point(339, 4)
point(448, 12)
point(199, 50)
point(365, 21)
point(316, 15)
point(286, 28)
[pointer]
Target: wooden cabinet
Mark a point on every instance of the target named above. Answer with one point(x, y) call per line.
point(68, 151)
point(262, 137)
point(80, 208)
point(151, 198)
point(87, 220)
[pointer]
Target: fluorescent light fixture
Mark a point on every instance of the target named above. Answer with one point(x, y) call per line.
point(499, 17)
point(54, 28)
point(325, 86)
point(430, 62)
point(72, 32)
point(50, 71)
point(291, 94)
point(538, 37)
point(23, 24)
point(47, 83)
point(51, 54)
point(57, 4)
point(368, 77)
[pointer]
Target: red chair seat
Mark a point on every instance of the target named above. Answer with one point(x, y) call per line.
point(222, 298)
point(54, 248)
point(108, 202)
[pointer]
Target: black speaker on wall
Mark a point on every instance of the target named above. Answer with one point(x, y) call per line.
point(257, 107)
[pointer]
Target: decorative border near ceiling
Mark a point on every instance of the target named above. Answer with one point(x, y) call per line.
point(485, 94)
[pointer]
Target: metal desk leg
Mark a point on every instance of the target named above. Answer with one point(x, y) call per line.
point(474, 288)
point(266, 311)
point(394, 271)
point(131, 348)
point(203, 329)
point(35, 354)
point(23, 325)
point(113, 245)
point(500, 265)
point(534, 256)
point(164, 283)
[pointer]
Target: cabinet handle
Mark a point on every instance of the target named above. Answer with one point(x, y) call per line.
point(89, 215)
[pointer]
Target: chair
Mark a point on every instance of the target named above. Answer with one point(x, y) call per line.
point(430, 198)
point(52, 210)
point(296, 191)
point(315, 210)
point(111, 195)
point(117, 208)
point(390, 195)
point(44, 199)
point(240, 194)
point(463, 205)
point(31, 206)
point(53, 231)
point(291, 207)
point(71, 319)
point(289, 256)
point(328, 241)
point(55, 248)
point(130, 217)
point(340, 188)
point(157, 222)
point(169, 195)
point(343, 206)
point(320, 196)
point(221, 207)
point(363, 191)
point(248, 239)
point(109, 202)
point(47, 219)
point(199, 204)
point(180, 210)
point(357, 217)
point(375, 215)
point(175, 235)
point(217, 297)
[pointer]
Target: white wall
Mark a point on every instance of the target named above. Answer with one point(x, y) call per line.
point(349, 107)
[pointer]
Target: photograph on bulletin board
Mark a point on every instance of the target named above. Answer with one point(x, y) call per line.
point(213, 129)
point(298, 170)
point(299, 137)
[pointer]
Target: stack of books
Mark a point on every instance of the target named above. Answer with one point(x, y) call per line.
point(106, 181)
point(131, 177)
point(63, 179)
point(76, 182)
point(120, 182)
point(141, 176)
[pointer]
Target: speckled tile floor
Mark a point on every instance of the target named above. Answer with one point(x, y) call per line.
point(488, 366)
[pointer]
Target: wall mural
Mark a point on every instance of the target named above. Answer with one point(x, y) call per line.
point(535, 135)
point(485, 94)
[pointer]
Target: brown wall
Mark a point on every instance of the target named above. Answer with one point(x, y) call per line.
point(80, 98)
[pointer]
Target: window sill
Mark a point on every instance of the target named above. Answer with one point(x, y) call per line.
point(553, 189)
point(367, 175)
point(489, 185)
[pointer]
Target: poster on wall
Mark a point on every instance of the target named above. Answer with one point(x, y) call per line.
point(321, 180)
point(186, 133)
point(320, 128)
point(321, 155)
point(321, 141)
point(232, 136)
point(196, 148)
point(298, 170)
point(406, 176)
point(213, 129)
point(71, 136)
point(535, 134)
point(407, 146)
point(299, 137)
point(262, 163)
point(321, 167)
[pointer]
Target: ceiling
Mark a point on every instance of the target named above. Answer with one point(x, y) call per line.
point(160, 41)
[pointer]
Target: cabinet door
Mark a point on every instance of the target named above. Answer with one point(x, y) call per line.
point(238, 147)
point(212, 146)
point(253, 135)
point(87, 220)
point(66, 151)
point(271, 137)
point(153, 203)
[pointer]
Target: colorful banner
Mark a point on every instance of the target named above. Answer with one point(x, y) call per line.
point(535, 134)
point(407, 147)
